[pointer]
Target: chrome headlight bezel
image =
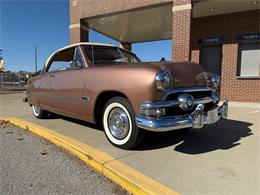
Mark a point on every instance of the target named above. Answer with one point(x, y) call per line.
point(163, 81)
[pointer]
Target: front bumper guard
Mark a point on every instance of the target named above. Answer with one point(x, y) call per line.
point(197, 119)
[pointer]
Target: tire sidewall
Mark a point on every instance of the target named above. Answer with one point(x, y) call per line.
point(107, 111)
point(132, 138)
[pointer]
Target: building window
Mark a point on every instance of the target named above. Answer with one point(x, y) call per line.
point(249, 60)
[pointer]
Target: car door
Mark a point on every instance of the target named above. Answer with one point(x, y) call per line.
point(65, 74)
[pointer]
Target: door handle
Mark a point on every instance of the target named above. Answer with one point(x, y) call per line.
point(52, 76)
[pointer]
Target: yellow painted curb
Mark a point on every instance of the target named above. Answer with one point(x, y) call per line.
point(125, 176)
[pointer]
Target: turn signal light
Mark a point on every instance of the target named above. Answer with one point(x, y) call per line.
point(153, 112)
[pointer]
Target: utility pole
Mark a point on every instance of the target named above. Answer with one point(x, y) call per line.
point(35, 53)
point(1, 61)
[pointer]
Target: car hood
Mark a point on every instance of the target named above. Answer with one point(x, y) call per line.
point(185, 74)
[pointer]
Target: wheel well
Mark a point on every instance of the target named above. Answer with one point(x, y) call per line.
point(101, 101)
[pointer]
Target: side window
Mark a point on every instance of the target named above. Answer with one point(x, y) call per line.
point(78, 58)
point(62, 60)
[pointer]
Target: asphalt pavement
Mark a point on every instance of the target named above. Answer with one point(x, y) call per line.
point(31, 165)
point(223, 158)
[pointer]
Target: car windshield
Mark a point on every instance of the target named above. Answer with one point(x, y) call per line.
point(102, 55)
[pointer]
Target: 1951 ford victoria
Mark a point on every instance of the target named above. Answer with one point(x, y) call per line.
point(108, 85)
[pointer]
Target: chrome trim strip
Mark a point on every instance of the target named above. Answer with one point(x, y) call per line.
point(159, 104)
point(63, 98)
point(169, 103)
point(84, 100)
point(186, 89)
point(204, 100)
point(197, 119)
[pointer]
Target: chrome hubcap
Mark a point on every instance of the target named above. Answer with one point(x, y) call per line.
point(118, 123)
point(37, 110)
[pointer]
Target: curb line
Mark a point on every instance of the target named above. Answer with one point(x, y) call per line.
point(128, 178)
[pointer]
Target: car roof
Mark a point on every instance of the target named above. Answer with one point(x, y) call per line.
point(79, 44)
point(87, 43)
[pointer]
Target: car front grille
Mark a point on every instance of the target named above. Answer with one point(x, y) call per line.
point(197, 95)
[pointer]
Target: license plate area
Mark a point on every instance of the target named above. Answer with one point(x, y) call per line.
point(212, 116)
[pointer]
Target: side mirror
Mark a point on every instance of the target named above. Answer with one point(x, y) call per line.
point(75, 64)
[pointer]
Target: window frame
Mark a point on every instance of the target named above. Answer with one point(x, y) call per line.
point(77, 49)
point(46, 69)
point(239, 60)
point(90, 63)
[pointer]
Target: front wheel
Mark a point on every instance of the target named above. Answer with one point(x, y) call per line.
point(119, 124)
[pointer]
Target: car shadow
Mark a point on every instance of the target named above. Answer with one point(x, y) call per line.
point(73, 120)
point(223, 135)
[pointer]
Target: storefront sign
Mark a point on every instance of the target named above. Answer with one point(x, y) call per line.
point(248, 37)
point(212, 40)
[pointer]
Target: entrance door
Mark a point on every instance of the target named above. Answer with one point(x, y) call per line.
point(210, 58)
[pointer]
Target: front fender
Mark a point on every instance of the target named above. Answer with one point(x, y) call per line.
point(136, 83)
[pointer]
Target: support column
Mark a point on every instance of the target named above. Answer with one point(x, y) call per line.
point(181, 28)
point(79, 33)
point(126, 45)
point(78, 28)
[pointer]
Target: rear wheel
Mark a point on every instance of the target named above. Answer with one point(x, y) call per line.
point(119, 124)
point(38, 112)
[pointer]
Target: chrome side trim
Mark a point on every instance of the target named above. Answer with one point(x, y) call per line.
point(63, 98)
point(84, 99)
point(185, 90)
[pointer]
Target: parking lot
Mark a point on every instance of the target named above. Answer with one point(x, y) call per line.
point(218, 159)
point(31, 165)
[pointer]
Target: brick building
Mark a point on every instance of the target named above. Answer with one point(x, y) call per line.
point(221, 35)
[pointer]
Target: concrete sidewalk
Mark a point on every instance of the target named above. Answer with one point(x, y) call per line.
point(219, 159)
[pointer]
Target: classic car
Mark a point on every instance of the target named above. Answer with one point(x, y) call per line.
point(108, 85)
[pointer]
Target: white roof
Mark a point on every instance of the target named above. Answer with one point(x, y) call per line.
point(76, 44)
point(86, 43)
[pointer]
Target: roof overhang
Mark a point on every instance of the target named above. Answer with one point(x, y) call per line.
point(155, 23)
point(141, 25)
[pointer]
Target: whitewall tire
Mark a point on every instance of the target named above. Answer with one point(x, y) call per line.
point(119, 124)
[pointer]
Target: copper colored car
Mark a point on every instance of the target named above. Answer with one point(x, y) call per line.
point(108, 85)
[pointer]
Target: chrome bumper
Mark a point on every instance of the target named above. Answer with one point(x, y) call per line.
point(196, 120)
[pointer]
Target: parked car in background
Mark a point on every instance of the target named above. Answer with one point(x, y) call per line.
point(108, 85)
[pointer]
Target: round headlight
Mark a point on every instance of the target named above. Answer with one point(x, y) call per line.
point(215, 81)
point(163, 80)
